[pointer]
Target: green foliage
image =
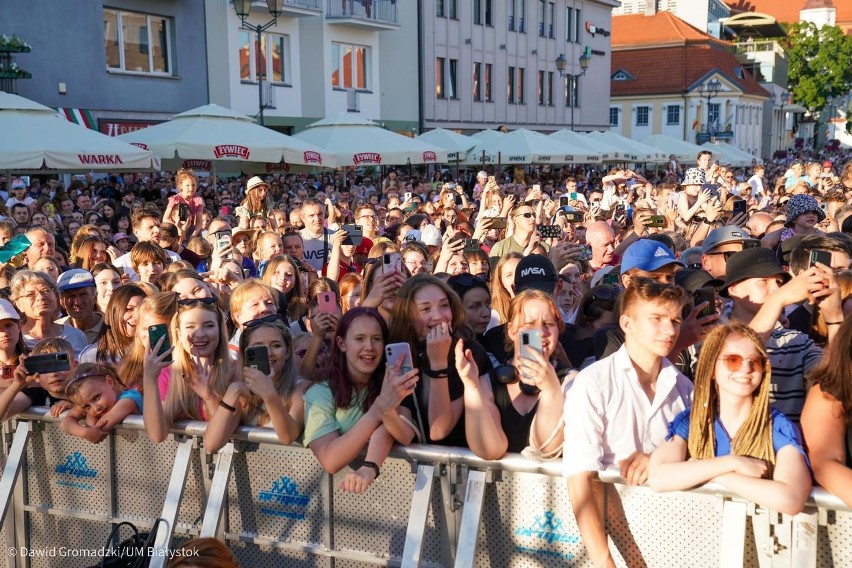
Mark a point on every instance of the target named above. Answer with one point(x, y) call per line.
point(820, 63)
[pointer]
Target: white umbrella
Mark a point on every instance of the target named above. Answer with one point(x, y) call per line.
point(211, 136)
point(482, 153)
point(634, 151)
point(35, 138)
point(730, 154)
point(356, 141)
point(456, 144)
point(524, 146)
point(684, 151)
point(606, 151)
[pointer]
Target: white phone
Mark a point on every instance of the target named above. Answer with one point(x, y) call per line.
point(530, 341)
point(393, 351)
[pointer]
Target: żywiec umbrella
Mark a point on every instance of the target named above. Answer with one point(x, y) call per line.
point(212, 136)
point(524, 146)
point(356, 141)
point(456, 144)
point(36, 138)
point(635, 151)
point(683, 151)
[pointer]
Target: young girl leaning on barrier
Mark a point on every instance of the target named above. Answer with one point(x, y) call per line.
point(100, 402)
point(191, 388)
point(275, 400)
point(731, 435)
point(361, 403)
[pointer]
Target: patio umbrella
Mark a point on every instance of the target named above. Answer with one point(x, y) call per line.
point(634, 151)
point(606, 151)
point(684, 151)
point(483, 152)
point(214, 137)
point(730, 154)
point(456, 144)
point(524, 146)
point(355, 141)
point(36, 138)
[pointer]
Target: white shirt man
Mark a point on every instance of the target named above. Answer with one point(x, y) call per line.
point(316, 238)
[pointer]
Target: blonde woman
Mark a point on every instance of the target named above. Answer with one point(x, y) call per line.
point(731, 435)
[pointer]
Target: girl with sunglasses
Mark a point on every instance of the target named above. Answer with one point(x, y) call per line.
point(361, 403)
point(192, 386)
point(275, 400)
point(731, 435)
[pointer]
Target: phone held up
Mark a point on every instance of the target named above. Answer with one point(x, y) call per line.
point(155, 332)
point(257, 357)
point(393, 351)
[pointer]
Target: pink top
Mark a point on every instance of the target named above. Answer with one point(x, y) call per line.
point(163, 383)
point(196, 203)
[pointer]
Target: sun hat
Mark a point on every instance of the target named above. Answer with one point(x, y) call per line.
point(752, 263)
point(694, 176)
point(800, 204)
point(254, 182)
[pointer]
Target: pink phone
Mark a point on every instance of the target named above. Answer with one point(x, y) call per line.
point(327, 302)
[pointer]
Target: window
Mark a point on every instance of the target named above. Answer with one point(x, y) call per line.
point(572, 25)
point(350, 66)
point(551, 11)
point(522, 8)
point(452, 91)
point(541, 87)
point(488, 75)
point(613, 116)
point(488, 13)
point(439, 9)
point(577, 24)
point(521, 79)
point(572, 91)
point(482, 12)
point(642, 116)
point(439, 78)
point(477, 75)
point(511, 25)
point(542, 14)
point(137, 42)
point(510, 85)
point(673, 114)
point(453, 9)
point(269, 61)
point(477, 12)
point(713, 115)
point(550, 88)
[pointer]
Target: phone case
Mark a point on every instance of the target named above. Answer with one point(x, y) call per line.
point(820, 256)
point(550, 231)
point(393, 352)
point(327, 302)
point(391, 261)
point(155, 332)
point(355, 232)
point(574, 217)
point(257, 357)
point(498, 223)
point(471, 245)
point(47, 363)
point(530, 341)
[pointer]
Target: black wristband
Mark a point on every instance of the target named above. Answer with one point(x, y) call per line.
point(438, 373)
point(834, 323)
point(227, 406)
point(373, 466)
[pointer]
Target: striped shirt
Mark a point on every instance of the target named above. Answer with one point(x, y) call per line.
point(792, 355)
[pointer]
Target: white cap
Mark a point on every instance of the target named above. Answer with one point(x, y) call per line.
point(430, 235)
point(8, 311)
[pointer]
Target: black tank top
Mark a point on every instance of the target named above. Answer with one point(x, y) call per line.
point(515, 425)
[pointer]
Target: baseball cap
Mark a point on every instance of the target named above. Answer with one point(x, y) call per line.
point(73, 279)
point(19, 184)
point(119, 236)
point(412, 235)
point(599, 275)
point(691, 279)
point(535, 272)
point(752, 263)
point(827, 164)
point(8, 311)
point(723, 236)
point(647, 255)
point(430, 236)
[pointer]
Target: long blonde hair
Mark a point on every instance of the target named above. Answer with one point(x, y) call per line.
point(754, 438)
point(181, 401)
point(500, 297)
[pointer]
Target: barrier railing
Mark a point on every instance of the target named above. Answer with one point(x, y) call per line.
point(273, 504)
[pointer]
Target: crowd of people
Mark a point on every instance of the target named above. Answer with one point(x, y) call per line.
point(685, 325)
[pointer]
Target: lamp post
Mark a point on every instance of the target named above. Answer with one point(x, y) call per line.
point(585, 58)
point(709, 89)
point(781, 100)
point(828, 119)
point(243, 8)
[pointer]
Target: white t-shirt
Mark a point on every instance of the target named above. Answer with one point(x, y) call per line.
point(317, 250)
point(12, 201)
point(608, 416)
point(72, 335)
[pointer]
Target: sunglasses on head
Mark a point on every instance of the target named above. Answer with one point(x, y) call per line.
point(734, 362)
point(606, 292)
point(196, 301)
point(272, 318)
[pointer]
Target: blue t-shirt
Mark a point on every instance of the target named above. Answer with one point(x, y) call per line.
point(133, 395)
point(784, 433)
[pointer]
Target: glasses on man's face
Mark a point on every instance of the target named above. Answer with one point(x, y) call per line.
point(726, 254)
point(528, 215)
point(734, 362)
point(43, 292)
point(272, 318)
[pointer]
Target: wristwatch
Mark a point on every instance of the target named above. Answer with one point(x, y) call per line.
point(371, 465)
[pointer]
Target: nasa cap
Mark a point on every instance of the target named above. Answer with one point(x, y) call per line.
point(535, 272)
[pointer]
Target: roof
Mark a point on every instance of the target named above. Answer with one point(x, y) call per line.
point(662, 28)
point(676, 69)
point(788, 10)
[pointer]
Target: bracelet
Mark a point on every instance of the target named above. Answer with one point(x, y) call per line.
point(227, 406)
point(834, 323)
point(373, 466)
point(438, 373)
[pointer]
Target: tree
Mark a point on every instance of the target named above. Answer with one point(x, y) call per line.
point(820, 63)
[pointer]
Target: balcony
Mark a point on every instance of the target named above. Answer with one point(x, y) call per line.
point(363, 14)
point(296, 8)
point(766, 60)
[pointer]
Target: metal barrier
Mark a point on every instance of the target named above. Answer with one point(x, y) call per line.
point(275, 506)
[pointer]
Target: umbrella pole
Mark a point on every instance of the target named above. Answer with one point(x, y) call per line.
point(483, 159)
point(457, 167)
point(499, 159)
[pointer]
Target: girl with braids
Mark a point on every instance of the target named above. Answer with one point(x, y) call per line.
point(731, 435)
point(827, 416)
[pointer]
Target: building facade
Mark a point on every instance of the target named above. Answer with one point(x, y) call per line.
point(115, 67)
point(491, 63)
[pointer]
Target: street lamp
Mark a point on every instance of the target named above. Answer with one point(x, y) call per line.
point(243, 9)
point(781, 100)
point(709, 89)
point(585, 59)
point(828, 120)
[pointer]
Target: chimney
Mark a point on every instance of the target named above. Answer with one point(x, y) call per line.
point(650, 7)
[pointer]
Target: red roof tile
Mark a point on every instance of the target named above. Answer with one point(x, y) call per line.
point(663, 28)
point(673, 70)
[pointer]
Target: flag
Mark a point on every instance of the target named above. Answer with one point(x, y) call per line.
point(695, 124)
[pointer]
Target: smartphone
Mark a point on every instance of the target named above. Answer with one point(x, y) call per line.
point(712, 188)
point(393, 351)
point(257, 357)
point(585, 252)
point(498, 223)
point(611, 277)
point(492, 211)
point(458, 199)
point(564, 200)
point(183, 211)
point(550, 231)
point(536, 187)
point(820, 256)
point(47, 363)
point(530, 341)
point(391, 261)
point(574, 216)
point(471, 245)
point(223, 239)
point(657, 221)
point(740, 207)
point(15, 246)
point(706, 295)
point(51, 211)
point(356, 234)
point(155, 332)
point(327, 302)
point(619, 210)
point(407, 197)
